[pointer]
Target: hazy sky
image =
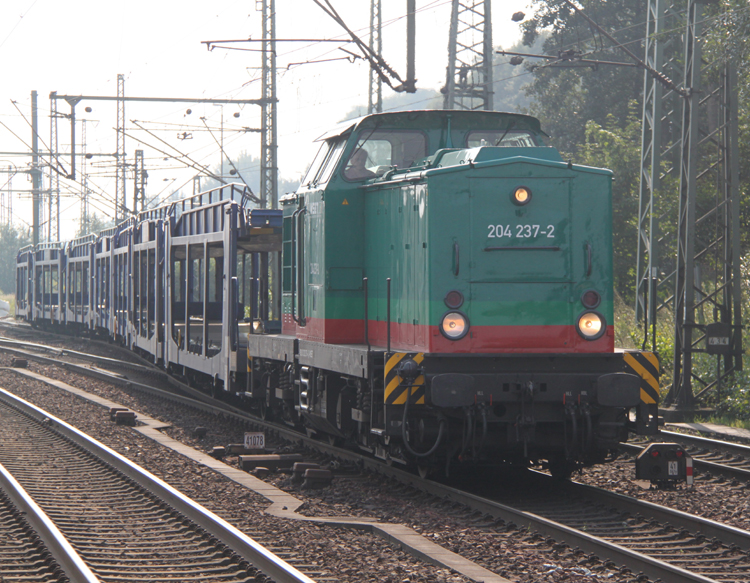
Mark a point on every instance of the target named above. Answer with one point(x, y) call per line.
point(78, 47)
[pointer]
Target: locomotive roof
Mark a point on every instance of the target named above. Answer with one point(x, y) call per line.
point(437, 118)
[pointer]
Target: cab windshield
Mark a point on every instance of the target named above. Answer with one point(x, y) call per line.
point(501, 138)
point(380, 150)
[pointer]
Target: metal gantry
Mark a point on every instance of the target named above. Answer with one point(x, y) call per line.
point(268, 151)
point(120, 202)
point(660, 147)
point(139, 192)
point(269, 168)
point(469, 76)
point(121, 164)
point(36, 172)
point(705, 269)
point(85, 216)
point(53, 201)
point(375, 83)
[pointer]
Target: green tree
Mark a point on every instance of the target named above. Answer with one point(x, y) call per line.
point(568, 94)
point(95, 225)
point(618, 148)
point(11, 240)
point(510, 82)
point(727, 29)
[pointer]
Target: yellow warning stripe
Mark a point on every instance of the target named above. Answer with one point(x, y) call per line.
point(397, 357)
point(393, 382)
point(641, 370)
point(646, 398)
point(418, 385)
point(651, 357)
point(393, 360)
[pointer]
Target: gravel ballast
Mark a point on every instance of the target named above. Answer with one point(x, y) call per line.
point(344, 554)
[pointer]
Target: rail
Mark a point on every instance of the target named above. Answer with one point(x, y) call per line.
point(75, 569)
point(260, 557)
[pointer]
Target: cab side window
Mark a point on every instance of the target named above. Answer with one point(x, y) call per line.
point(324, 163)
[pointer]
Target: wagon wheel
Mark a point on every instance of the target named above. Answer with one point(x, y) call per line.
point(424, 471)
point(561, 469)
point(266, 411)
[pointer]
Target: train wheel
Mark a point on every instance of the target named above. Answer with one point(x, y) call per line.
point(266, 411)
point(561, 469)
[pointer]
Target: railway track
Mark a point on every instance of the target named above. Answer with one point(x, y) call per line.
point(655, 540)
point(23, 552)
point(125, 524)
point(711, 457)
point(649, 539)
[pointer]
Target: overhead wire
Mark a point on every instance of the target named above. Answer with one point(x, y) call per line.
point(415, 102)
point(60, 169)
point(15, 26)
point(224, 154)
point(193, 164)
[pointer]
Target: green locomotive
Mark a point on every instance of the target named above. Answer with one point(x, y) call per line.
point(447, 297)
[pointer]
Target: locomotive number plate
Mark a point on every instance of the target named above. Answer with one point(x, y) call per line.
point(521, 231)
point(255, 440)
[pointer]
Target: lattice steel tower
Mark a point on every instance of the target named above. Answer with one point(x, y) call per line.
point(85, 217)
point(690, 178)
point(469, 79)
point(120, 201)
point(139, 191)
point(269, 196)
point(660, 149)
point(53, 202)
point(375, 95)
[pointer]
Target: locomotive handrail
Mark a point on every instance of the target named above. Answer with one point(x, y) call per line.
point(523, 248)
point(296, 253)
point(388, 313)
point(588, 259)
point(367, 316)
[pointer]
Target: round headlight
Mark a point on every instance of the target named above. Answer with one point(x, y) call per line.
point(454, 325)
point(521, 195)
point(591, 325)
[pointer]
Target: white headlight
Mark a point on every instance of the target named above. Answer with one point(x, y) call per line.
point(591, 325)
point(454, 325)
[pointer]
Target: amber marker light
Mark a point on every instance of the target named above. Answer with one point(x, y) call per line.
point(521, 196)
point(591, 299)
point(591, 325)
point(454, 299)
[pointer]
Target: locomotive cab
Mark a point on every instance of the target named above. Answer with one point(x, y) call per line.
point(448, 294)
